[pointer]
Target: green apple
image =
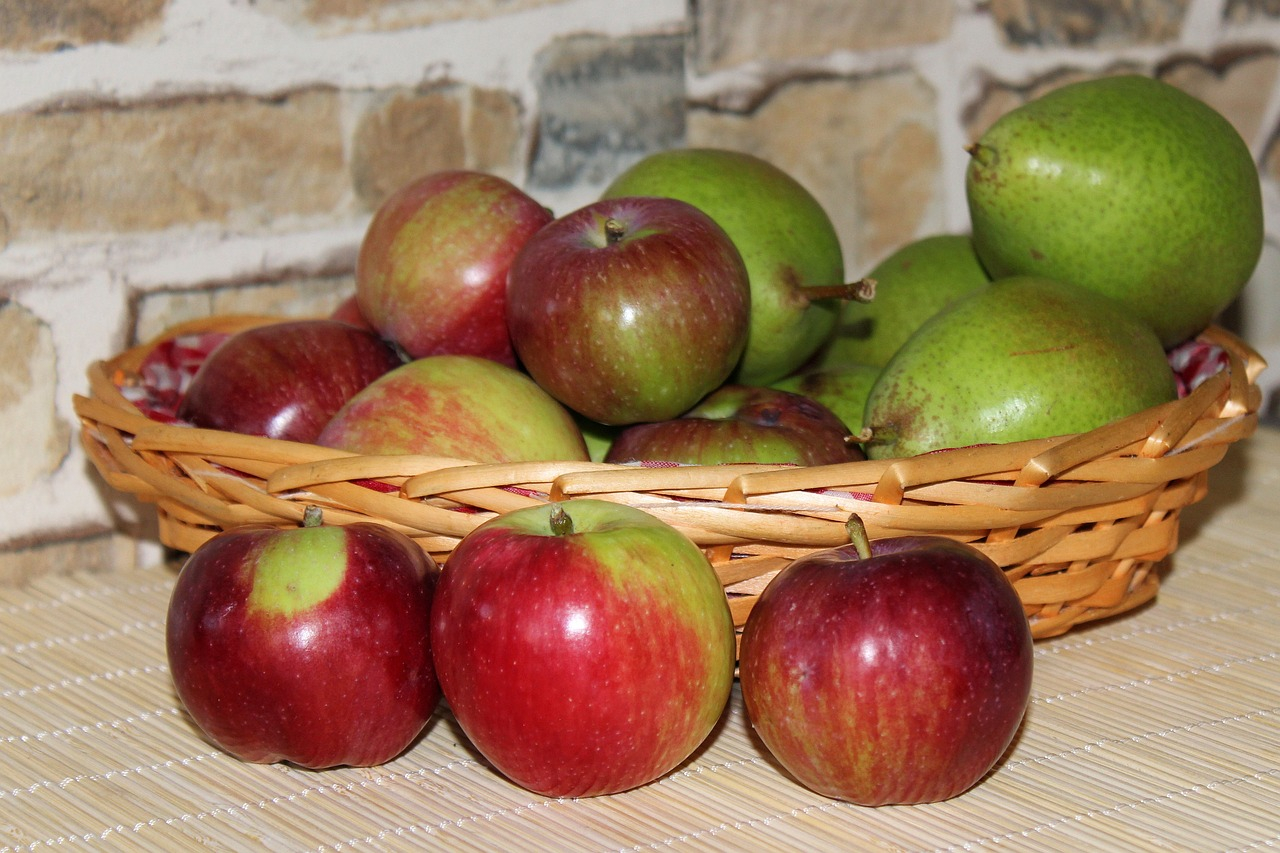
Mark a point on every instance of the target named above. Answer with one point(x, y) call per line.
point(1124, 185)
point(1022, 358)
point(790, 247)
point(914, 283)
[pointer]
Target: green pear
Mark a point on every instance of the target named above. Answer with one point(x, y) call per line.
point(843, 390)
point(914, 283)
point(1124, 185)
point(1022, 358)
point(790, 247)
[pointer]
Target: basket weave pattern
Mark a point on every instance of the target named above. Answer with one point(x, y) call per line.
point(1079, 523)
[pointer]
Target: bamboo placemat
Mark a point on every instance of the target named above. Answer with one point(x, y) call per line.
point(1158, 729)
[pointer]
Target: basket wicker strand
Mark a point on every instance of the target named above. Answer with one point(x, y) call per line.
point(1079, 523)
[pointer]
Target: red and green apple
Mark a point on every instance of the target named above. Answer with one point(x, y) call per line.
point(584, 647)
point(308, 645)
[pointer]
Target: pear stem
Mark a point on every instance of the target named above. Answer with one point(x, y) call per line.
point(561, 523)
point(862, 290)
point(858, 536)
point(312, 516)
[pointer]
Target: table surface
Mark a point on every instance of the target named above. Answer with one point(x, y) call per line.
point(1157, 729)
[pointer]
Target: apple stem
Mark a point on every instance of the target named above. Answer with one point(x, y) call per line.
point(862, 290)
point(561, 523)
point(312, 516)
point(858, 536)
point(613, 231)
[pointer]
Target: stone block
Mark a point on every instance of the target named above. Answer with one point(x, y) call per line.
point(234, 160)
point(309, 297)
point(868, 152)
point(1248, 11)
point(94, 553)
point(36, 440)
point(41, 25)
point(407, 134)
point(735, 32)
point(604, 103)
point(1088, 23)
point(1236, 84)
point(337, 16)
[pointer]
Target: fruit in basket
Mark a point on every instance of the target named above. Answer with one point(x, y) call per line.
point(284, 380)
point(432, 270)
point(348, 311)
point(785, 236)
point(741, 423)
point(1125, 185)
point(906, 680)
point(629, 309)
point(912, 284)
point(843, 390)
point(585, 647)
point(1023, 358)
point(308, 645)
point(458, 406)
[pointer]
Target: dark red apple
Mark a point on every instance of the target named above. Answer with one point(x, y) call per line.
point(629, 309)
point(432, 270)
point(904, 681)
point(584, 647)
point(742, 423)
point(308, 645)
point(284, 380)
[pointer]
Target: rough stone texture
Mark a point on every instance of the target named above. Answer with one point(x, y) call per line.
point(364, 15)
point(1088, 23)
point(236, 160)
point(604, 103)
point(94, 553)
point(36, 440)
point(880, 181)
point(1244, 11)
point(733, 32)
point(41, 25)
point(1238, 85)
point(408, 134)
point(310, 297)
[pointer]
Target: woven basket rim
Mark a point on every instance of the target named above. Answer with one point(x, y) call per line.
point(1080, 522)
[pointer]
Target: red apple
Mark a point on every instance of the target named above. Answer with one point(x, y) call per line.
point(629, 309)
point(307, 645)
point(741, 423)
point(348, 311)
point(584, 647)
point(284, 380)
point(459, 406)
point(432, 270)
point(905, 680)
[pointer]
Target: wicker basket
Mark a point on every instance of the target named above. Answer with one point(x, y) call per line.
point(1079, 523)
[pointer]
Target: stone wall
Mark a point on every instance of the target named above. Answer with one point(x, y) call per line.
point(166, 159)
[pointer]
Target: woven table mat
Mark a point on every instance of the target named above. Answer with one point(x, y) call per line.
point(1160, 728)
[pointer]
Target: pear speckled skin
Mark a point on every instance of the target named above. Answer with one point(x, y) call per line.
point(912, 284)
point(1125, 185)
point(786, 239)
point(1023, 358)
